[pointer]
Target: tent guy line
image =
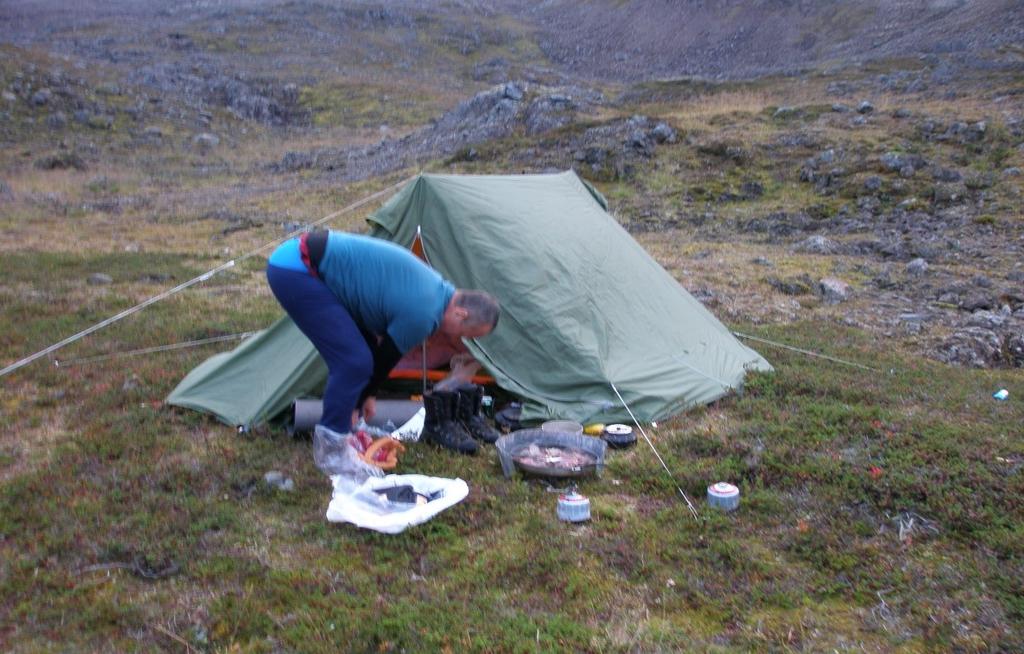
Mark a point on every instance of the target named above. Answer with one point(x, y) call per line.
point(195, 280)
point(807, 352)
point(151, 350)
point(689, 504)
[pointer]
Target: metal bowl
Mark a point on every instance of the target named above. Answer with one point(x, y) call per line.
point(511, 447)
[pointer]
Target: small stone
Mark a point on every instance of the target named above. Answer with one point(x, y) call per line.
point(41, 97)
point(273, 477)
point(662, 133)
point(975, 132)
point(834, 290)
point(99, 279)
point(206, 140)
point(901, 113)
point(57, 120)
point(873, 183)
point(840, 108)
point(1013, 171)
point(276, 479)
point(817, 245)
point(940, 174)
point(512, 91)
point(100, 121)
point(859, 121)
point(986, 319)
point(917, 267)
point(786, 111)
point(865, 107)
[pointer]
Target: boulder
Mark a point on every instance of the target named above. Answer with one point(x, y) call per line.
point(973, 347)
point(865, 107)
point(1015, 349)
point(989, 319)
point(977, 300)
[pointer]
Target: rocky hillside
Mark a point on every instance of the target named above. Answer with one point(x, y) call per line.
point(879, 188)
point(644, 39)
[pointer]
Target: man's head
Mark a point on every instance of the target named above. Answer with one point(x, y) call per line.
point(470, 314)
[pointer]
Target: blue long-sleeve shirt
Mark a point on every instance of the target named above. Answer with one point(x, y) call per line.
point(386, 288)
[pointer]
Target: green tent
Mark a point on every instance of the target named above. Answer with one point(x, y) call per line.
point(585, 310)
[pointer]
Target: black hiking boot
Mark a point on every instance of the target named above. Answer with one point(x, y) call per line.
point(439, 425)
point(471, 399)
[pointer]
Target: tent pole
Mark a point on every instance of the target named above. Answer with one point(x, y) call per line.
point(419, 237)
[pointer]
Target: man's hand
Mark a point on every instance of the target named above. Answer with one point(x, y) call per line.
point(369, 408)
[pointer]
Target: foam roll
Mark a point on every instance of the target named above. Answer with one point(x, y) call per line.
point(305, 415)
point(724, 496)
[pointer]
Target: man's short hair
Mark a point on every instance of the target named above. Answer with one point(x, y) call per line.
point(482, 307)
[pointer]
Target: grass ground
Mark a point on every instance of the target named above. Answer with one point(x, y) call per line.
point(881, 510)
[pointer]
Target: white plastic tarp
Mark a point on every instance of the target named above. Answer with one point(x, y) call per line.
point(364, 507)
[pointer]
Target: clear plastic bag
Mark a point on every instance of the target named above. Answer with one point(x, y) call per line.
point(463, 366)
point(338, 454)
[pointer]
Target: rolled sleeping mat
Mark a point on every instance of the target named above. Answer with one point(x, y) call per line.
point(306, 414)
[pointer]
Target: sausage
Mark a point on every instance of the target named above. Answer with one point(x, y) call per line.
point(383, 453)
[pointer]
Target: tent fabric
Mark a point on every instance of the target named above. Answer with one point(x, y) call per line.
point(583, 304)
point(257, 380)
point(584, 307)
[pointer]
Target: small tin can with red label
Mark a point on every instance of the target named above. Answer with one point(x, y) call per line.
point(724, 496)
point(573, 507)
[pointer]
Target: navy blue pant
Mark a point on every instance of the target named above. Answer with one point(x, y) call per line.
point(322, 318)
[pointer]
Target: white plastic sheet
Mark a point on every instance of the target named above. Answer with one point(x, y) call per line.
point(363, 507)
point(411, 430)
